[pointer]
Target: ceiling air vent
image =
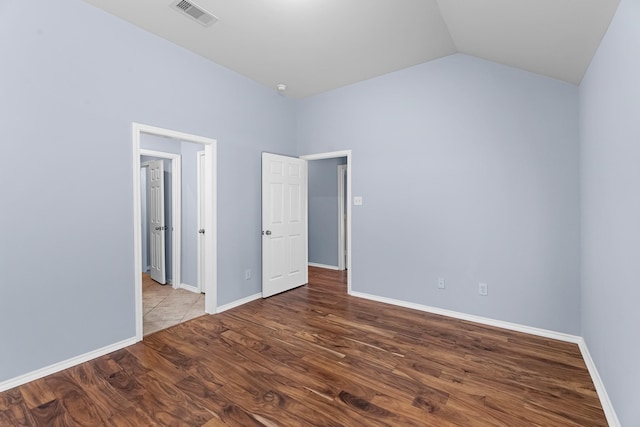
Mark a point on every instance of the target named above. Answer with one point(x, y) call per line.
point(194, 12)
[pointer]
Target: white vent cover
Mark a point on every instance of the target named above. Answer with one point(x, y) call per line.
point(194, 12)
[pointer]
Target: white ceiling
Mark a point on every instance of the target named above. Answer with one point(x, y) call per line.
point(317, 45)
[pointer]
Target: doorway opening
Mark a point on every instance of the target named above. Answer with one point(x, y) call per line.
point(206, 228)
point(327, 213)
point(169, 240)
point(341, 215)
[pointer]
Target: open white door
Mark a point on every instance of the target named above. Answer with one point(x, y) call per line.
point(155, 182)
point(284, 223)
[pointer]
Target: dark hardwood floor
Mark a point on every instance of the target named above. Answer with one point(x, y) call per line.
point(317, 357)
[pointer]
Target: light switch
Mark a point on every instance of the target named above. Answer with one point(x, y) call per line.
point(357, 201)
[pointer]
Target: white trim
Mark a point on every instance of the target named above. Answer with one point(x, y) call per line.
point(66, 364)
point(342, 177)
point(145, 166)
point(189, 288)
point(239, 302)
point(473, 318)
point(176, 212)
point(200, 156)
point(210, 225)
point(607, 407)
point(348, 155)
point(327, 155)
point(210, 149)
point(173, 134)
point(329, 267)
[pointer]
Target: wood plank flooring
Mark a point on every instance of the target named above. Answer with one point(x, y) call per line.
point(317, 357)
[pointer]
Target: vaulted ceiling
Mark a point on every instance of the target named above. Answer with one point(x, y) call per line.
point(317, 45)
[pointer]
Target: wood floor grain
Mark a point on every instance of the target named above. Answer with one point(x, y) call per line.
point(314, 356)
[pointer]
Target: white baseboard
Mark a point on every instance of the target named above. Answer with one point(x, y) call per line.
point(238, 303)
point(189, 288)
point(473, 318)
point(60, 366)
point(330, 267)
point(607, 407)
point(609, 412)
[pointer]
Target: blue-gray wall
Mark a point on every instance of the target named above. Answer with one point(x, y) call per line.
point(74, 78)
point(189, 246)
point(610, 165)
point(468, 171)
point(323, 210)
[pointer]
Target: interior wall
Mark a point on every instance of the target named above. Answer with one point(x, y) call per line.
point(610, 164)
point(468, 171)
point(323, 210)
point(189, 248)
point(69, 92)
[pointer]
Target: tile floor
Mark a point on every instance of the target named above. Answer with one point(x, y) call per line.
point(164, 306)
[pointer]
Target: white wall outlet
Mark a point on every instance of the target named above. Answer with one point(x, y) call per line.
point(483, 289)
point(440, 282)
point(247, 274)
point(357, 201)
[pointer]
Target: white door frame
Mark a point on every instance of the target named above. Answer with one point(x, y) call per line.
point(200, 205)
point(342, 235)
point(176, 212)
point(210, 148)
point(144, 166)
point(333, 155)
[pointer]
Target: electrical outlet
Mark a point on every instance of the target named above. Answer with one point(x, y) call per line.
point(247, 274)
point(440, 282)
point(483, 289)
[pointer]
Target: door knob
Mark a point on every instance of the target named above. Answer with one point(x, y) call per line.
point(268, 232)
point(201, 231)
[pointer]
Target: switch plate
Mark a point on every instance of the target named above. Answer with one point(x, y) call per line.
point(357, 201)
point(247, 274)
point(440, 282)
point(483, 289)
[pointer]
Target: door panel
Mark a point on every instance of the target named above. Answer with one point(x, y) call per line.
point(276, 249)
point(157, 228)
point(284, 222)
point(296, 260)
